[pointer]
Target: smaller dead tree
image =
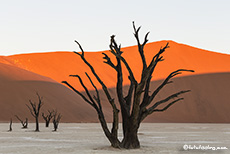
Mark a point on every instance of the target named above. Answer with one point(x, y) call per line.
point(10, 129)
point(56, 119)
point(35, 110)
point(24, 123)
point(48, 117)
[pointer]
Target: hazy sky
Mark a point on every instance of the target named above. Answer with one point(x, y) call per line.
point(52, 25)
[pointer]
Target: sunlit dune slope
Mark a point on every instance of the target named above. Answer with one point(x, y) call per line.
point(12, 73)
point(21, 76)
point(59, 65)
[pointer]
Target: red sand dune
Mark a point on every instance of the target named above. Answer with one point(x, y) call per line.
point(25, 74)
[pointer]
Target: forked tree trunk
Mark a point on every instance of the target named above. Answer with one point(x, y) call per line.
point(48, 117)
point(115, 142)
point(112, 139)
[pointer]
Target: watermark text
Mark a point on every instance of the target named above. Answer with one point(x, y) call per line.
point(203, 147)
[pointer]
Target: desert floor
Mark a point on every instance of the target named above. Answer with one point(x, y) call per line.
point(72, 138)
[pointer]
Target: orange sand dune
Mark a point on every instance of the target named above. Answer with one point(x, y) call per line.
point(21, 76)
point(58, 65)
point(13, 73)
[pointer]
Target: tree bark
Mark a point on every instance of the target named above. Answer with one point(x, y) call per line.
point(130, 140)
point(37, 125)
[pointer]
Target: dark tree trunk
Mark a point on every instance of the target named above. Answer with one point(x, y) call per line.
point(37, 125)
point(10, 129)
point(47, 123)
point(25, 125)
point(130, 139)
point(55, 127)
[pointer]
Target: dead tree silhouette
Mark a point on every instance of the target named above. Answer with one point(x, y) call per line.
point(24, 123)
point(139, 101)
point(35, 110)
point(48, 117)
point(56, 120)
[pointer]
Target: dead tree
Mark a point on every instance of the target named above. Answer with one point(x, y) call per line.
point(24, 123)
point(35, 110)
point(139, 101)
point(48, 117)
point(10, 127)
point(56, 120)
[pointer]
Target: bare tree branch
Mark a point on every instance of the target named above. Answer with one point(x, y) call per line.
point(82, 54)
point(48, 117)
point(71, 87)
point(113, 51)
point(151, 110)
point(97, 98)
point(86, 90)
point(128, 98)
point(31, 111)
point(110, 99)
point(24, 123)
point(108, 61)
point(165, 82)
point(141, 46)
point(105, 89)
point(168, 98)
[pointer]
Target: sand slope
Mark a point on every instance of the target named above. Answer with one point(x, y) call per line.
point(58, 65)
point(18, 86)
point(21, 76)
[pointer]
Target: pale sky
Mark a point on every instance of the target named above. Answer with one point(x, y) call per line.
point(29, 26)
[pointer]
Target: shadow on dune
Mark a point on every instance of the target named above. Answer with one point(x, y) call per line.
point(207, 102)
